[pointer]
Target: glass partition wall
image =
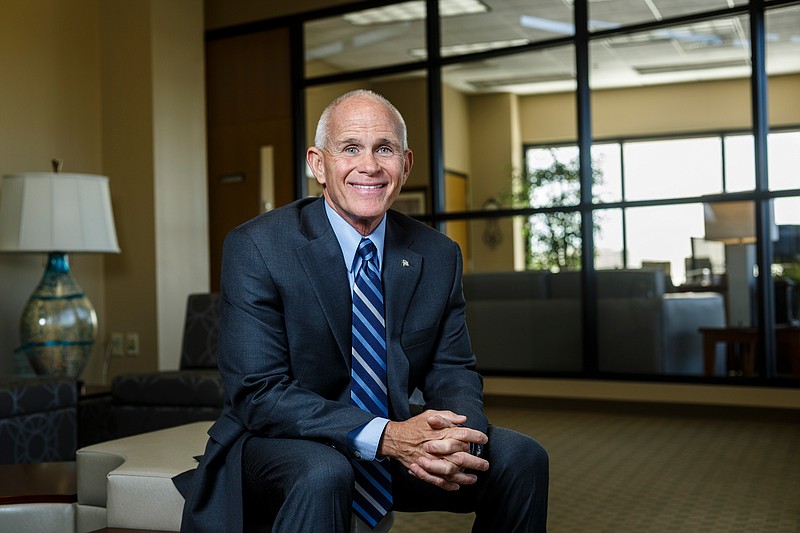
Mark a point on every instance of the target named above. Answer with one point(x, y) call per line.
point(672, 250)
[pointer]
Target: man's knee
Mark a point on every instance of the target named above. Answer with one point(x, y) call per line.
point(325, 473)
point(336, 473)
point(517, 453)
point(285, 465)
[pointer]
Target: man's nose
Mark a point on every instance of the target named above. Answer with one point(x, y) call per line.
point(368, 163)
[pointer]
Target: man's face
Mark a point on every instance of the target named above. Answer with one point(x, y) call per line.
point(364, 166)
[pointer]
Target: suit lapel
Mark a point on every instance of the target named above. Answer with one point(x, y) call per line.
point(322, 260)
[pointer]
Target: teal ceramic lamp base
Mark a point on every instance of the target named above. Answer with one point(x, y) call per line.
point(58, 324)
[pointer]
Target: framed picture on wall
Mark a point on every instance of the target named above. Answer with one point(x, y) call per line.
point(410, 202)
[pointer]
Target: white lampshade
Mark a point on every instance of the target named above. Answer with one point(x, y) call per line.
point(733, 222)
point(730, 222)
point(48, 211)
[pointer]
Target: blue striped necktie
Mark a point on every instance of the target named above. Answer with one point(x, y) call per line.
point(372, 497)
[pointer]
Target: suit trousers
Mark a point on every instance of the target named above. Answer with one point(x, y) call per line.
point(298, 485)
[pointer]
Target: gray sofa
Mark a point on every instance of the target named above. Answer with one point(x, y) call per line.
point(531, 321)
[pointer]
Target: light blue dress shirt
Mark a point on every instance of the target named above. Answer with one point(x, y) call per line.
point(365, 441)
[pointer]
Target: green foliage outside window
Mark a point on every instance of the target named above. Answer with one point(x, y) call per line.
point(553, 239)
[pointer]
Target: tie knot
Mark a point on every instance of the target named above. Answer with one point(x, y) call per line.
point(366, 250)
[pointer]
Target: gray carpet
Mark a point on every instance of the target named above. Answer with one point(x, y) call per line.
point(617, 469)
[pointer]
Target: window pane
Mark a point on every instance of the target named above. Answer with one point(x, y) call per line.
point(786, 273)
point(733, 224)
point(740, 166)
point(607, 164)
point(552, 178)
point(708, 50)
point(519, 320)
point(482, 119)
point(548, 71)
point(783, 154)
point(495, 245)
point(663, 233)
point(608, 240)
point(364, 39)
point(615, 13)
point(647, 324)
point(673, 168)
point(553, 241)
point(502, 25)
point(782, 40)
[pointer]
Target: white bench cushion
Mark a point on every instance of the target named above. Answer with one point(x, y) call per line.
point(132, 477)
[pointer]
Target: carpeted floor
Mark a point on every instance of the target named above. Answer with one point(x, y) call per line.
point(619, 469)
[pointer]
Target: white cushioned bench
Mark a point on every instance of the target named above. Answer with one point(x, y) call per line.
point(127, 483)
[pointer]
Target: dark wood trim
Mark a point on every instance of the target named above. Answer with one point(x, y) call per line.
point(38, 483)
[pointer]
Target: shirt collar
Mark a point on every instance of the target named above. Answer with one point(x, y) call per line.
point(349, 238)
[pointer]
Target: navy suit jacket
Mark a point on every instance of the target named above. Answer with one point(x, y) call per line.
point(285, 343)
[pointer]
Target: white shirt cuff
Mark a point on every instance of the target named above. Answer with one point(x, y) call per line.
point(366, 441)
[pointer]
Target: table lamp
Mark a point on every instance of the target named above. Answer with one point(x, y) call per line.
point(57, 213)
point(734, 224)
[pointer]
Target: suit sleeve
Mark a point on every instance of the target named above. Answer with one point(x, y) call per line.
point(453, 382)
point(255, 362)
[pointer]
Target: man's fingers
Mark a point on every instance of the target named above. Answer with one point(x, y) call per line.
point(454, 462)
point(418, 472)
point(445, 446)
point(444, 419)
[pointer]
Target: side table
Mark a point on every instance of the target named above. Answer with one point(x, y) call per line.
point(38, 483)
point(744, 343)
point(38, 497)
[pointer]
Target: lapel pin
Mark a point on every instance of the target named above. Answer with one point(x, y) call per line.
point(405, 263)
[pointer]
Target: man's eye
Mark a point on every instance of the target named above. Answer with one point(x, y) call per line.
point(351, 150)
point(385, 150)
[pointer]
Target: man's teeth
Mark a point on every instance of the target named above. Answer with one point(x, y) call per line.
point(367, 186)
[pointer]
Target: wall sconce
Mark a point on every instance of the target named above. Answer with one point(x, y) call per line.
point(492, 233)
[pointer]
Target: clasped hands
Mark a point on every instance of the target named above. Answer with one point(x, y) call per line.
point(435, 448)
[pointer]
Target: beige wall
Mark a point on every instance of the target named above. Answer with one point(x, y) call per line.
point(99, 84)
point(456, 130)
point(49, 107)
point(658, 110)
point(495, 153)
point(179, 127)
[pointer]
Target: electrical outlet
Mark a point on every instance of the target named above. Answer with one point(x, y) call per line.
point(132, 344)
point(117, 345)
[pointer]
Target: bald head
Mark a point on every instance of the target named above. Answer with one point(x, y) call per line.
point(322, 135)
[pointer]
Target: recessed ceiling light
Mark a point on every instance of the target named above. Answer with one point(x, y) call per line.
point(415, 10)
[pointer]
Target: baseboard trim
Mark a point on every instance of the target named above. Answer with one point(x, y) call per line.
point(655, 393)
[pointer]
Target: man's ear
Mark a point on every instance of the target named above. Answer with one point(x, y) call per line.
point(315, 159)
point(408, 162)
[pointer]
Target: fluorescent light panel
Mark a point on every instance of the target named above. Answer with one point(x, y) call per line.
point(520, 80)
point(469, 48)
point(685, 67)
point(415, 10)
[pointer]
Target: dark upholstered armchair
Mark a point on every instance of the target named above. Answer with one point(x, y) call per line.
point(38, 420)
point(157, 400)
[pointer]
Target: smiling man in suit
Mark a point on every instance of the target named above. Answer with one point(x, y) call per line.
point(333, 312)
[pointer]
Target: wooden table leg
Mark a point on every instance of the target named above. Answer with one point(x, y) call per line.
point(709, 353)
